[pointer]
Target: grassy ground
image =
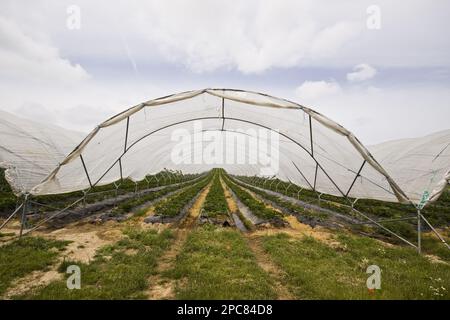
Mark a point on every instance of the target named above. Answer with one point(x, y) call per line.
point(21, 257)
point(216, 263)
point(315, 270)
point(119, 271)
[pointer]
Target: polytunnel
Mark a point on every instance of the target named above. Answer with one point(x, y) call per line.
point(196, 131)
point(311, 150)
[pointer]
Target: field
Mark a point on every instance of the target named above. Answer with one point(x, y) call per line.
point(216, 236)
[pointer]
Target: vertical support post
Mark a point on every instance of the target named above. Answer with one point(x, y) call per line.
point(419, 231)
point(287, 188)
point(298, 193)
point(135, 187)
point(270, 185)
point(24, 213)
point(276, 188)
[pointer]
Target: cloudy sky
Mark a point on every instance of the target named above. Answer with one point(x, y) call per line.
point(380, 68)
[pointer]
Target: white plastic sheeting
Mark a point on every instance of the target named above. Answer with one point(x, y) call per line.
point(314, 151)
point(419, 165)
point(30, 151)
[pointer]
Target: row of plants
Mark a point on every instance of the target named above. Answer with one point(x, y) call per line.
point(173, 205)
point(380, 209)
point(8, 200)
point(291, 190)
point(258, 208)
point(128, 205)
point(215, 203)
point(321, 216)
point(438, 212)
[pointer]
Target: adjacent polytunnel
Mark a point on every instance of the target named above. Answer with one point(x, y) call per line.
point(310, 149)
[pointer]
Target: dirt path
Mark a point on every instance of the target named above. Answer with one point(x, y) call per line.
point(229, 198)
point(265, 263)
point(161, 287)
point(195, 210)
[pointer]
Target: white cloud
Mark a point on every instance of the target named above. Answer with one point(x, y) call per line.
point(312, 90)
point(361, 72)
point(250, 37)
point(23, 56)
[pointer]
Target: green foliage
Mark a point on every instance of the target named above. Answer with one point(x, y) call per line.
point(128, 205)
point(215, 202)
point(438, 213)
point(258, 208)
point(172, 206)
point(98, 193)
point(321, 216)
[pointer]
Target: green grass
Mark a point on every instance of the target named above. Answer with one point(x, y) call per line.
point(19, 258)
point(118, 271)
point(216, 263)
point(317, 271)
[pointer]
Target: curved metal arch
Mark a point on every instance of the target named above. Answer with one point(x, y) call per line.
point(396, 190)
point(220, 118)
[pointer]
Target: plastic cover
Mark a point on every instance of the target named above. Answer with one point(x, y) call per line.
point(312, 150)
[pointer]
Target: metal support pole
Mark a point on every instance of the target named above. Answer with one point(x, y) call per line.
point(287, 188)
point(276, 188)
point(298, 193)
point(353, 203)
point(24, 212)
point(135, 187)
point(270, 185)
point(419, 230)
point(435, 232)
point(11, 216)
